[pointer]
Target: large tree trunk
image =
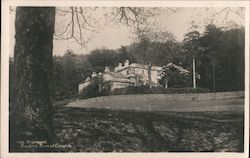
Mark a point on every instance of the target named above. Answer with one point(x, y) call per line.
point(31, 113)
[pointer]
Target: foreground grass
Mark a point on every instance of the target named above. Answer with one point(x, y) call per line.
point(95, 130)
point(104, 130)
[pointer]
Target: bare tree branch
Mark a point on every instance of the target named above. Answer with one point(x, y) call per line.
point(81, 40)
point(66, 29)
point(139, 18)
point(73, 22)
point(222, 15)
point(84, 18)
point(134, 17)
point(237, 13)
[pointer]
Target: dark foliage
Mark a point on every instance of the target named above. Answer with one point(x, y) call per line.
point(175, 79)
point(96, 88)
point(157, 90)
point(69, 71)
point(222, 61)
point(100, 130)
point(218, 49)
point(99, 88)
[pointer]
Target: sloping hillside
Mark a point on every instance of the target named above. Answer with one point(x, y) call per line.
point(196, 128)
point(100, 130)
point(224, 101)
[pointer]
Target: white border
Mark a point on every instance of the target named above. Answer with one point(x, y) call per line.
point(5, 69)
point(247, 85)
point(140, 3)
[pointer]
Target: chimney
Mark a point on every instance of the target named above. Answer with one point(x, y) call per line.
point(94, 74)
point(106, 69)
point(126, 63)
point(99, 74)
point(87, 79)
point(118, 68)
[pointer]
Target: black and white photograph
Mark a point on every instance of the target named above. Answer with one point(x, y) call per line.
point(125, 77)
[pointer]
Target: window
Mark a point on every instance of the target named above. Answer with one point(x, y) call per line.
point(132, 71)
point(159, 73)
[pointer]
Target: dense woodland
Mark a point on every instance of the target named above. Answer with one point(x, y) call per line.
point(221, 50)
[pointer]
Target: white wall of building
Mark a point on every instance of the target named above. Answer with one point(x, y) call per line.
point(81, 86)
point(131, 71)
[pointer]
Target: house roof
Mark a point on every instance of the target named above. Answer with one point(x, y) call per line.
point(116, 75)
point(121, 80)
point(181, 69)
point(142, 66)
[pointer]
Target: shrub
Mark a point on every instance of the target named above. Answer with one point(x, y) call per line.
point(157, 90)
point(99, 88)
point(175, 78)
point(96, 88)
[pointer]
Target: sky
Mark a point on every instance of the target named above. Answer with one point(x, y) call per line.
point(113, 36)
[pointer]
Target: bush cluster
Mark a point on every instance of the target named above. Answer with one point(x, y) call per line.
point(96, 88)
point(94, 91)
point(157, 90)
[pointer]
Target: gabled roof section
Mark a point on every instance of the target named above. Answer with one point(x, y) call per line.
point(116, 75)
point(144, 66)
point(181, 69)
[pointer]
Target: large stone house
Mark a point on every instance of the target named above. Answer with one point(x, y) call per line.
point(126, 74)
point(116, 80)
point(134, 74)
point(139, 73)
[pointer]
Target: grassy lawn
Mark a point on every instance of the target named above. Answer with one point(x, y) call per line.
point(186, 124)
point(230, 102)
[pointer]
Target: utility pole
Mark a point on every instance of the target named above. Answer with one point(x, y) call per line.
point(149, 74)
point(213, 78)
point(166, 83)
point(194, 78)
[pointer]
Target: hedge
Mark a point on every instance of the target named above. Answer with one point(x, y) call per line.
point(157, 90)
